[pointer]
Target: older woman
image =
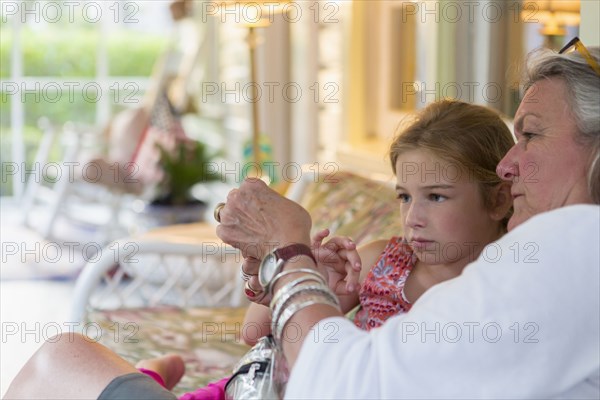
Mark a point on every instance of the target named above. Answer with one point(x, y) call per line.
point(520, 322)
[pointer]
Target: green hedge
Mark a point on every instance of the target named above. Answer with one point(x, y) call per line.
point(72, 53)
point(68, 52)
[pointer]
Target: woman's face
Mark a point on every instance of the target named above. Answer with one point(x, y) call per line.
point(547, 166)
point(442, 209)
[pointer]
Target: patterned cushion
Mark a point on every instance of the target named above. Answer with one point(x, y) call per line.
point(209, 339)
point(350, 205)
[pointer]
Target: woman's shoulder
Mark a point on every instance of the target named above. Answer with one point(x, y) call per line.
point(579, 217)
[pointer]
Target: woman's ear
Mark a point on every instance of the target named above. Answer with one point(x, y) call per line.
point(500, 201)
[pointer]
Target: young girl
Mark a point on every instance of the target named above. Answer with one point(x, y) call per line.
point(452, 204)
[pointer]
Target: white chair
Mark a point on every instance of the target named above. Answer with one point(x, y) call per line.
point(181, 266)
point(75, 190)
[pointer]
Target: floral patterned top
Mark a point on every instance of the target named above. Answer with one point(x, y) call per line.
point(381, 295)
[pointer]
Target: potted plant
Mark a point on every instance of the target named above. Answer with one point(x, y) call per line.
point(186, 165)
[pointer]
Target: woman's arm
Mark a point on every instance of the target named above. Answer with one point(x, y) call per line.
point(257, 322)
point(298, 327)
point(495, 329)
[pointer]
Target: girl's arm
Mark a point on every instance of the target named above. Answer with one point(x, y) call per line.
point(369, 254)
point(257, 323)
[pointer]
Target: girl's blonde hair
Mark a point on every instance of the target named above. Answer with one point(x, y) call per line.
point(473, 137)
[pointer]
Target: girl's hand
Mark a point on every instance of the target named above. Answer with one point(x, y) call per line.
point(339, 261)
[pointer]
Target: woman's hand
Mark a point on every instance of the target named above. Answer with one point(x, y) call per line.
point(256, 220)
point(340, 261)
point(252, 288)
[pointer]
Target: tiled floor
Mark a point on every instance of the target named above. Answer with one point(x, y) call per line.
point(30, 310)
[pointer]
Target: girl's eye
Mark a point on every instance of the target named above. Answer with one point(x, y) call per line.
point(403, 197)
point(437, 197)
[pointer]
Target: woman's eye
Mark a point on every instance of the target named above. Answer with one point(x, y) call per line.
point(437, 197)
point(403, 197)
point(528, 135)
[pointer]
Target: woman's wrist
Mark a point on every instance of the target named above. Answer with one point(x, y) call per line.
point(298, 262)
point(297, 287)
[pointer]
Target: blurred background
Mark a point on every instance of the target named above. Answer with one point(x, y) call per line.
point(121, 116)
point(335, 77)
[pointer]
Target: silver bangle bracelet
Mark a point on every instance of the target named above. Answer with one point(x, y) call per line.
point(290, 286)
point(299, 290)
point(280, 305)
point(295, 271)
point(301, 287)
point(289, 312)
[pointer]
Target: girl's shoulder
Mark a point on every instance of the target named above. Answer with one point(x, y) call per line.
point(376, 246)
point(369, 253)
point(394, 245)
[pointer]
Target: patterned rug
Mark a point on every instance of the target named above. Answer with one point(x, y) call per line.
point(208, 339)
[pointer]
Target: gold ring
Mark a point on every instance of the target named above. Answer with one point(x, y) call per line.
point(217, 212)
point(251, 288)
point(252, 294)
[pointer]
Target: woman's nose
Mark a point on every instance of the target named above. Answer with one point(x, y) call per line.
point(508, 168)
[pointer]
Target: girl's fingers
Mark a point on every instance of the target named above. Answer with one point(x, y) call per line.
point(318, 238)
point(352, 279)
point(342, 260)
point(339, 242)
point(353, 260)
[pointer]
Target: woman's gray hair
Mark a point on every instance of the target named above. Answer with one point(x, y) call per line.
point(583, 85)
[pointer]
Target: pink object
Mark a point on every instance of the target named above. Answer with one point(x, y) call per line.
point(213, 391)
point(382, 293)
point(154, 375)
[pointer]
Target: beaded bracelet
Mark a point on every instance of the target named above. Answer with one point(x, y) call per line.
point(290, 311)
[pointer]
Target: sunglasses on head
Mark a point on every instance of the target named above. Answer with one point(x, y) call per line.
point(576, 45)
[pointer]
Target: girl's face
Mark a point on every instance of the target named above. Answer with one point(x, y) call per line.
point(442, 209)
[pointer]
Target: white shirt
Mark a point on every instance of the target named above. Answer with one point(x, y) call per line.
point(523, 321)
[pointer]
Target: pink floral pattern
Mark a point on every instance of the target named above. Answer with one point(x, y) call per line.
point(381, 294)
